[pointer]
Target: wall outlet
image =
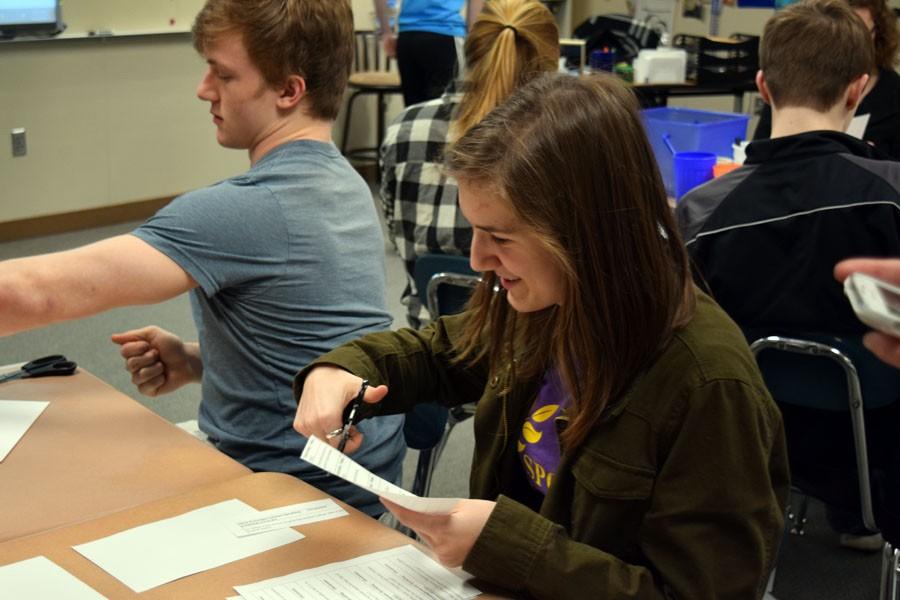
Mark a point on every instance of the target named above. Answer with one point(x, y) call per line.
point(19, 147)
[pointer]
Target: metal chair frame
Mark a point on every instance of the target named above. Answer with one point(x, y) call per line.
point(428, 457)
point(890, 573)
point(890, 563)
point(433, 301)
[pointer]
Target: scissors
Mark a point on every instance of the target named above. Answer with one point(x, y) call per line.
point(350, 420)
point(47, 366)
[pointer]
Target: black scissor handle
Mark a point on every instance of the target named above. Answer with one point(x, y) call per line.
point(46, 366)
point(63, 367)
point(44, 360)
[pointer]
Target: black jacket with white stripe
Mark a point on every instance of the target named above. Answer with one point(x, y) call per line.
point(765, 238)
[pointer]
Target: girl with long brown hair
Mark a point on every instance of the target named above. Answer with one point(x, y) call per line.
point(625, 444)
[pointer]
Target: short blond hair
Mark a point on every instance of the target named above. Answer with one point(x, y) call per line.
point(309, 38)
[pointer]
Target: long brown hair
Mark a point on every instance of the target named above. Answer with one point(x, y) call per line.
point(510, 42)
point(571, 159)
point(885, 32)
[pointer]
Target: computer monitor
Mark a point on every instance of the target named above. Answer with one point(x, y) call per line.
point(29, 18)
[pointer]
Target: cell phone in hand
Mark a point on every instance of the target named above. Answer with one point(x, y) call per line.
point(875, 302)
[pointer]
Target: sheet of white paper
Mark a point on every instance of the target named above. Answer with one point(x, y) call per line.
point(288, 516)
point(16, 416)
point(160, 552)
point(401, 573)
point(326, 457)
point(858, 125)
point(39, 577)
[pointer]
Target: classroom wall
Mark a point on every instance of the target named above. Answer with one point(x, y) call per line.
point(111, 120)
point(107, 122)
point(732, 19)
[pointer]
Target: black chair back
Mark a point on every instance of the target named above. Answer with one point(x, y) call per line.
point(428, 425)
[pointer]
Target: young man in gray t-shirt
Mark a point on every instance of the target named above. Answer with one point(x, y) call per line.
point(282, 263)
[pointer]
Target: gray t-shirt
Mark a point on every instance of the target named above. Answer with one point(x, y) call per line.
point(289, 260)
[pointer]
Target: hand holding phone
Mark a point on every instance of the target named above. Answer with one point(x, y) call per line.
point(875, 302)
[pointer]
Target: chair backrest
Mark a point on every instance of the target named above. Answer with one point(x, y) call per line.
point(834, 374)
point(368, 54)
point(424, 425)
point(810, 372)
point(449, 281)
point(444, 283)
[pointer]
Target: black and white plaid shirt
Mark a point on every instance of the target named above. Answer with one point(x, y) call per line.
point(419, 200)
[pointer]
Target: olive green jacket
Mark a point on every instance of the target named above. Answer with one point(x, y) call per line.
point(678, 492)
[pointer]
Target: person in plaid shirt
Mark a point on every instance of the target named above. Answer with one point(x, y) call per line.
point(510, 43)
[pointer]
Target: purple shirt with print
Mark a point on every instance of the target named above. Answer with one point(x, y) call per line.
point(538, 445)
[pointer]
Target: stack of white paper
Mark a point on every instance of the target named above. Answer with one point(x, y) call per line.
point(38, 577)
point(16, 416)
point(401, 573)
point(160, 552)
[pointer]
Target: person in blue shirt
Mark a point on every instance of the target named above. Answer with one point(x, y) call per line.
point(429, 43)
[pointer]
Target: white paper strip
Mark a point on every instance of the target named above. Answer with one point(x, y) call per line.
point(288, 516)
point(326, 457)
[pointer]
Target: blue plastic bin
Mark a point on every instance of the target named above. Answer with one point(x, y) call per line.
point(691, 130)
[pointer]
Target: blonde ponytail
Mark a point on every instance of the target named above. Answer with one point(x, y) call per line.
point(510, 43)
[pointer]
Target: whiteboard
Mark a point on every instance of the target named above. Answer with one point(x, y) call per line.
point(128, 17)
point(86, 18)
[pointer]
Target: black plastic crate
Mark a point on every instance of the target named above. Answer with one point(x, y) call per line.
point(720, 60)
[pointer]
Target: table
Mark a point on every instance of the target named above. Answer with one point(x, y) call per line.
point(657, 94)
point(94, 451)
point(325, 542)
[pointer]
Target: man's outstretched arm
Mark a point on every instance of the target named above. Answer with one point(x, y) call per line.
point(119, 271)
